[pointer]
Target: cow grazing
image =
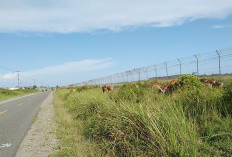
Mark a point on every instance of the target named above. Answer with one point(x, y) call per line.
point(158, 86)
point(104, 88)
point(218, 84)
point(109, 88)
point(211, 83)
point(204, 80)
point(208, 84)
point(73, 90)
point(170, 86)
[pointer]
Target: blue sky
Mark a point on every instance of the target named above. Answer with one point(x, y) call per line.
point(64, 49)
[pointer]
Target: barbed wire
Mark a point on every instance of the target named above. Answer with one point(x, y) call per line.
point(214, 62)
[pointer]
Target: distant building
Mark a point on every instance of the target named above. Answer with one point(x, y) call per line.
point(13, 88)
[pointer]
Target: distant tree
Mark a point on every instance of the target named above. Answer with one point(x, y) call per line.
point(34, 87)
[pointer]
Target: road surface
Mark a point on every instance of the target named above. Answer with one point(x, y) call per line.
point(16, 117)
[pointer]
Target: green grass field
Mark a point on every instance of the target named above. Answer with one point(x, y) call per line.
point(6, 94)
point(194, 120)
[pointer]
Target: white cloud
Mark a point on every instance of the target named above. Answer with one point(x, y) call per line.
point(9, 76)
point(220, 26)
point(66, 68)
point(66, 16)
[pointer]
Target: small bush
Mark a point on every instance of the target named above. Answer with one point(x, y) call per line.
point(190, 81)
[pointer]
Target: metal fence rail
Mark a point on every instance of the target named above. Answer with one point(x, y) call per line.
point(216, 62)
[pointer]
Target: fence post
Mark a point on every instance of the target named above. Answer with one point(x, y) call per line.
point(122, 74)
point(219, 62)
point(166, 64)
point(155, 72)
point(197, 64)
point(180, 64)
point(132, 74)
point(127, 75)
point(147, 72)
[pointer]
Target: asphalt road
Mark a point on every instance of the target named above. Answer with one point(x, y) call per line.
point(16, 117)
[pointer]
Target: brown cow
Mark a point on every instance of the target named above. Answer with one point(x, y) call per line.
point(109, 88)
point(104, 88)
point(170, 86)
point(204, 80)
point(73, 90)
point(211, 83)
point(158, 86)
point(208, 84)
point(218, 84)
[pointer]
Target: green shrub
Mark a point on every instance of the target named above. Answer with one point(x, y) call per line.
point(190, 81)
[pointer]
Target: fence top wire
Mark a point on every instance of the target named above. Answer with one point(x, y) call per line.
point(203, 58)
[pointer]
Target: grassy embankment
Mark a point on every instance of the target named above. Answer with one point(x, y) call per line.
point(6, 94)
point(195, 120)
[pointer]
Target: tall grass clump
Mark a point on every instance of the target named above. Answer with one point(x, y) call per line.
point(130, 92)
point(227, 97)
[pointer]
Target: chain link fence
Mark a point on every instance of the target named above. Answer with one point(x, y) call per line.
point(216, 62)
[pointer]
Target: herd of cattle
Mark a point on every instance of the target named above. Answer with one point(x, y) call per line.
point(166, 88)
point(171, 86)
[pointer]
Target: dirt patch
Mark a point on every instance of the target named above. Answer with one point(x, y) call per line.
point(40, 140)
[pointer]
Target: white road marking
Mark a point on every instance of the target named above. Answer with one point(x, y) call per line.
point(5, 145)
point(3, 112)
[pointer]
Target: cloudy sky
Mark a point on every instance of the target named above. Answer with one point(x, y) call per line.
point(63, 42)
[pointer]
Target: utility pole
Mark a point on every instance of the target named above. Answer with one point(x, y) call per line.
point(18, 77)
point(34, 81)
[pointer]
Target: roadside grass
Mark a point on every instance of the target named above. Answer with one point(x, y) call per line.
point(71, 141)
point(137, 121)
point(6, 94)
